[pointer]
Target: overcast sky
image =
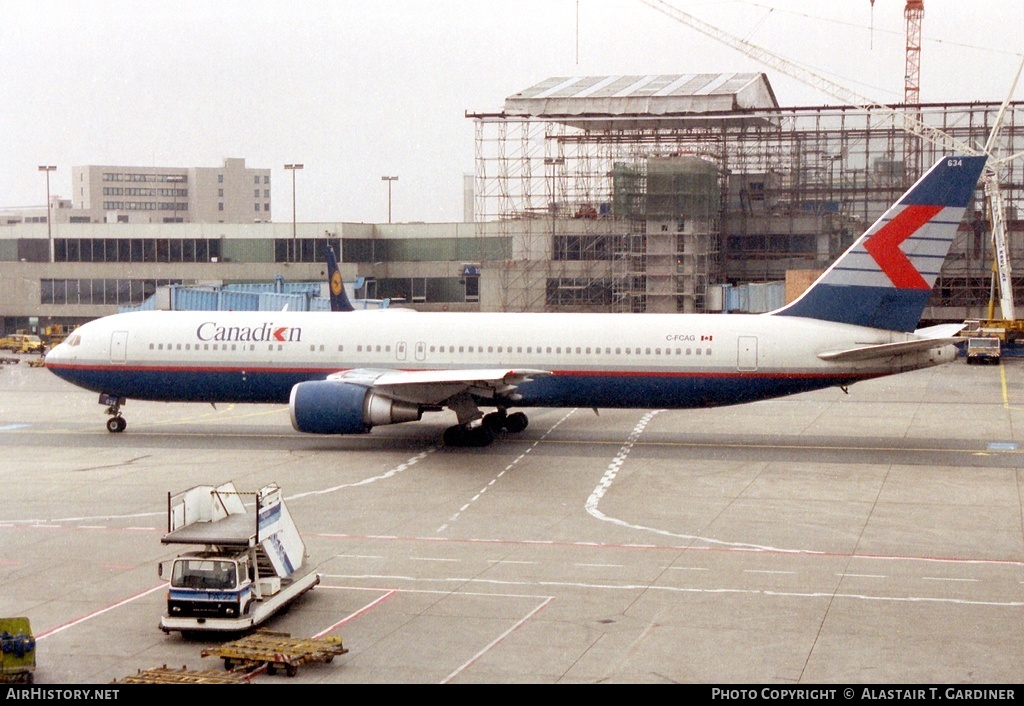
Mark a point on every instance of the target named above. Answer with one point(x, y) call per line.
point(358, 90)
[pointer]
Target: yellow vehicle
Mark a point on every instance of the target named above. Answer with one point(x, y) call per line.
point(22, 343)
point(983, 349)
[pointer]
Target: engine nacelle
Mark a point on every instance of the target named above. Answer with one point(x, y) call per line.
point(335, 407)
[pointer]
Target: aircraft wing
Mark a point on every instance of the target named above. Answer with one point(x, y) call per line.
point(435, 387)
point(886, 350)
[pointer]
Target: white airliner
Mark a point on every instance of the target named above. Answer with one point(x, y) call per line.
point(343, 373)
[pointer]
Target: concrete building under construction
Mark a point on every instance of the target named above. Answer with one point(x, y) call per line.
point(658, 193)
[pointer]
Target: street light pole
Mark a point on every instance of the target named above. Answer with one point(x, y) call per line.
point(293, 168)
point(389, 179)
point(49, 214)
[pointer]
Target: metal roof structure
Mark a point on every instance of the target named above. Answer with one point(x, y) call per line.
point(612, 97)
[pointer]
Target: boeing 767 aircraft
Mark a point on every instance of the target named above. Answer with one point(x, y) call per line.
point(344, 373)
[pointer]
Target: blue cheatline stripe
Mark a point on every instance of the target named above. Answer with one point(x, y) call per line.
point(636, 390)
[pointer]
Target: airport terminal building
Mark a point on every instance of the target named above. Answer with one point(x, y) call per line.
point(609, 193)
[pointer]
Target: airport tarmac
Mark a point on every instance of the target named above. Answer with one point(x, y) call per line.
point(869, 537)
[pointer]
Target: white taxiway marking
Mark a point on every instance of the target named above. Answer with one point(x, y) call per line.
point(505, 470)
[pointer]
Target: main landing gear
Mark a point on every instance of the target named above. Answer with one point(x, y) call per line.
point(484, 433)
point(116, 424)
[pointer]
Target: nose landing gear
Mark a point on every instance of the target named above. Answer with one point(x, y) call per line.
point(116, 424)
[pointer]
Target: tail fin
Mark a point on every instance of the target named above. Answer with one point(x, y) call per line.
point(885, 278)
point(339, 299)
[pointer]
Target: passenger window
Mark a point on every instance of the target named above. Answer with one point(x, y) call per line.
point(707, 352)
point(151, 346)
point(647, 351)
point(698, 351)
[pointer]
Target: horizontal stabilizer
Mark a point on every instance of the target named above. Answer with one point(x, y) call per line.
point(887, 350)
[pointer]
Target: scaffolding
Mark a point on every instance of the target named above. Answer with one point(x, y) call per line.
point(642, 212)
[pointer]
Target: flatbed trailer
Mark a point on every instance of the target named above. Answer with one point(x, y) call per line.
point(276, 650)
point(164, 675)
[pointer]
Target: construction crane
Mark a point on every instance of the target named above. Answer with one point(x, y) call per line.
point(911, 123)
point(914, 12)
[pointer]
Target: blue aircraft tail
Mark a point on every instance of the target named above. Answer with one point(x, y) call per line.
point(339, 299)
point(885, 278)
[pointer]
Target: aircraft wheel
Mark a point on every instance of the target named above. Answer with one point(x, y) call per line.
point(459, 435)
point(116, 425)
point(495, 421)
point(454, 436)
point(516, 422)
point(479, 436)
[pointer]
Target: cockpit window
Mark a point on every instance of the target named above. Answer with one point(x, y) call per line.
point(74, 340)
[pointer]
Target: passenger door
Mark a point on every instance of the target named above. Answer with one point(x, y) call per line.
point(746, 353)
point(119, 347)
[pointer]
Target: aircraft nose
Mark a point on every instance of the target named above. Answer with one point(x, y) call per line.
point(55, 354)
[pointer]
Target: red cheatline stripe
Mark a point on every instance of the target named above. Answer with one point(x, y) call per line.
point(884, 246)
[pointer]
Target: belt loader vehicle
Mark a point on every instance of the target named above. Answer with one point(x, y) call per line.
point(250, 566)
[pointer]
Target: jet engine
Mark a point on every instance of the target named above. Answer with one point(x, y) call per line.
point(335, 407)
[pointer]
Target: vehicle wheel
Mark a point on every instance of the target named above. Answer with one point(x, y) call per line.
point(116, 425)
point(228, 664)
point(495, 421)
point(271, 668)
point(454, 436)
point(291, 669)
point(516, 422)
point(479, 436)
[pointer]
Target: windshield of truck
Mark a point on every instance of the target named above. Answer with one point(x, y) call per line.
point(204, 573)
point(984, 343)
